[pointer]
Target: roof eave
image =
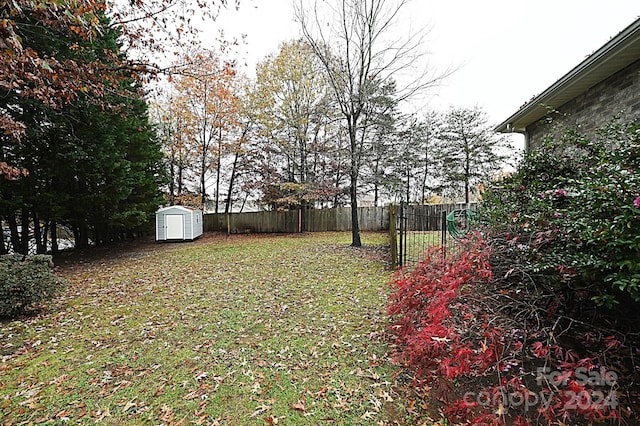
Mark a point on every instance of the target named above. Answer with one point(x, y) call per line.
point(621, 51)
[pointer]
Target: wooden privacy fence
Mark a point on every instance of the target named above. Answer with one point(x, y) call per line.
point(309, 220)
point(412, 228)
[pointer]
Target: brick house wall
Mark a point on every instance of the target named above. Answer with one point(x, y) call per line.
point(617, 95)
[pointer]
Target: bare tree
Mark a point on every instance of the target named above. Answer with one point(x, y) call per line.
point(359, 45)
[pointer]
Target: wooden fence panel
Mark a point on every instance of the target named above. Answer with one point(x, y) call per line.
point(321, 220)
point(372, 218)
point(343, 219)
point(215, 222)
point(425, 218)
point(253, 222)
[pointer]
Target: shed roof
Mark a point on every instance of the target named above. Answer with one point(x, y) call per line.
point(618, 53)
point(183, 208)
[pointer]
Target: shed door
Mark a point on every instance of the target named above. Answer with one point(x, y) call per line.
point(175, 226)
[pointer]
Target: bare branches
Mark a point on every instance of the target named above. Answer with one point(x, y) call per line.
point(363, 34)
point(355, 42)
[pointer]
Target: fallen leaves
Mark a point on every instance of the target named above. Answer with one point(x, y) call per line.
point(273, 329)
point(299, 406)
point(260, 410)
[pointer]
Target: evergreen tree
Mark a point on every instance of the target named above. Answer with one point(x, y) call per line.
point(93, 163)
point(470, 152)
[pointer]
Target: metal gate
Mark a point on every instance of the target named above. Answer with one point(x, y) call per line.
point(416, 228)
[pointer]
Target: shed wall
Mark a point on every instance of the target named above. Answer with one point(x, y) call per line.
point(188, 225)
point(198, 225)
point(192, 220)
point(160, 227)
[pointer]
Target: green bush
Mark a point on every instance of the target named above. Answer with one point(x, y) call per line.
point(25, 281)
point(571, 213)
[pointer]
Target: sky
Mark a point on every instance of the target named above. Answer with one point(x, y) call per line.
point(504, 51)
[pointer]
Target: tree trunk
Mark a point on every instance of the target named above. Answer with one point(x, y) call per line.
point(45, 234)
point(15, 235)
point(355, 226)
point(172, 177)
point(24, 237)
point(180, 178)
point(37, 233)
point(353, 190)
point(54, 237)
point(203, 191)
point(466, 192)
point(227, 207)
point(244, 202)
point(218, 166)
point(376, 180)
point(426, 172)
point(467, 176)
point(408, 188)
point(80, 236)
point(3, 246)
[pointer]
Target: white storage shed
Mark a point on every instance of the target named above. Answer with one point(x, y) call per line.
point(178, 223)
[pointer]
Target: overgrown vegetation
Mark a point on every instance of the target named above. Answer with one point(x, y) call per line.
point(26, 281)
point(571, 215)
point(536, 322)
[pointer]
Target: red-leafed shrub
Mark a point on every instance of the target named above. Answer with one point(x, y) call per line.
point(491, 350)
point(421, 307)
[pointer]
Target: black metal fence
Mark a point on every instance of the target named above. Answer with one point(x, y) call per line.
point(419, 227)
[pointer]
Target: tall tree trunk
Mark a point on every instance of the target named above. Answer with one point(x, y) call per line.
point(244, 202)
point(227, 206)
point(24, 237)
point(466, 191)
point(355, 225)
point(45, 234)
point(203, 191)
point(353, 190)
point(13, 230)
point(467, 173)
point(408, 188)
point(218, 167)
point(180, 178)
point(76, 235)
point(3, 245)
point(426, 172)
point(54, 237)
point(37, 233)
point(376, 180)
point(80, 236)
point(172, 176)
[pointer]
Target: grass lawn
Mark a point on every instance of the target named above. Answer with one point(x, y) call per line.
point(239, 330)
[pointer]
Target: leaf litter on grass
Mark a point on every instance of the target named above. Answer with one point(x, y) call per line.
point(224, 330)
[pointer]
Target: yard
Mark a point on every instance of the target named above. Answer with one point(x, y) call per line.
point(224, 330)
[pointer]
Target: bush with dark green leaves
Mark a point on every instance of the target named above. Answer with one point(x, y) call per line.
point(570, 215)
point(26, 281)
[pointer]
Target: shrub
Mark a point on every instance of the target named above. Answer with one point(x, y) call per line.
point(571, 214)
point(421, 309)
point(486, 351)
point(25, 281)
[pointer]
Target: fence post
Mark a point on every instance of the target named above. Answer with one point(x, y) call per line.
point(393, 240)
point(403, 236)
point(444, 234)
